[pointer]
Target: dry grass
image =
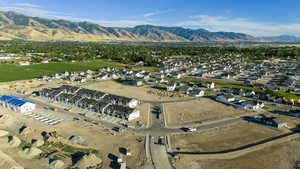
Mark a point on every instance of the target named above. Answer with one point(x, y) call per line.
point(39, 33)
point(221, 139)
point(198, 111)
point(126, 90)
point(281, 156)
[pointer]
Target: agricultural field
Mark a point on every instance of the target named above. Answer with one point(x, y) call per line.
point(12, 72)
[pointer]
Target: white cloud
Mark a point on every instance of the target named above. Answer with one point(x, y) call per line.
point(150, 14)
point(32, 10)
point(37, 10)
point(30, 5)
point(222, 23)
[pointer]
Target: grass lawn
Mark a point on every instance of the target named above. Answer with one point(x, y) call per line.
point(12, 72)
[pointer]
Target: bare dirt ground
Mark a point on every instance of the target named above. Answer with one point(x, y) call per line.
point(16, 155)
point(7, 162)
point(27, 86)
point(96, 137)
point(281, 156)
point(221, 139)
point(198, 111)
point(140, 93)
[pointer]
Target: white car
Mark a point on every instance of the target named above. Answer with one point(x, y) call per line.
point(192, 129)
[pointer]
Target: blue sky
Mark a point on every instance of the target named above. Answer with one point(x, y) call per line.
point(255, 17)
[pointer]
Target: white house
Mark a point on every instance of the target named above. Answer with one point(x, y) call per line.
point(24, 63)
point(210, 85)
point(280, 123)
point(225, 98)
point(172, 87)
point(195, 92)
point(133, 103)
point(5, 57)
point(251, 105)
point(134, 115)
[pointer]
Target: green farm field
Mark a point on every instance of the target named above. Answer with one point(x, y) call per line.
point(12, 72)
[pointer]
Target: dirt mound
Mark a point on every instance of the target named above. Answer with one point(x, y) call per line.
point(7, 162)
point(3, 133)
point(13, 141)
point(25, 131)
point(77, 139)
point(6, 120)
point(57, 164)
point(32, 152)
point(37, 143)
point(88, 161)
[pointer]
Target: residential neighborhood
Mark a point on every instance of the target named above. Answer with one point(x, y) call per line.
point(165, 84)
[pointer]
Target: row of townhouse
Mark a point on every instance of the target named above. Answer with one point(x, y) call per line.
point(95, 101)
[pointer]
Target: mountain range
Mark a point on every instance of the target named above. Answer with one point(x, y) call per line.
point(282, 38)
point(18, 26)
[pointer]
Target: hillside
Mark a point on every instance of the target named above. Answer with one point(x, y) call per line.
point(282, 38)
point(17, 26)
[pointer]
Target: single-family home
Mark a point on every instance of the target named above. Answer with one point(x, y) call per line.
point(225, 98)
point(210, 85)
point(195, 92)
point(171, 87)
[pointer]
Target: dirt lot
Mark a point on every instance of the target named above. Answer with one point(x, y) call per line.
point(141, 93)
point(96, 137)
point(198, 111)
point(28, 86)
point(281, 156)
point(221, 139)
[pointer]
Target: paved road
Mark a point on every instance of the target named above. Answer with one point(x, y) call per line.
point(156, 123)
point(170, 101)
point(159, 154)
point(163, 131)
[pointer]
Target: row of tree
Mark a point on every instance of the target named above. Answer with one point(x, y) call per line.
point(132, 53)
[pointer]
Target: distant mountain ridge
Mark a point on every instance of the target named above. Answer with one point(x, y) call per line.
point(282, 38)
point(18, 26)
